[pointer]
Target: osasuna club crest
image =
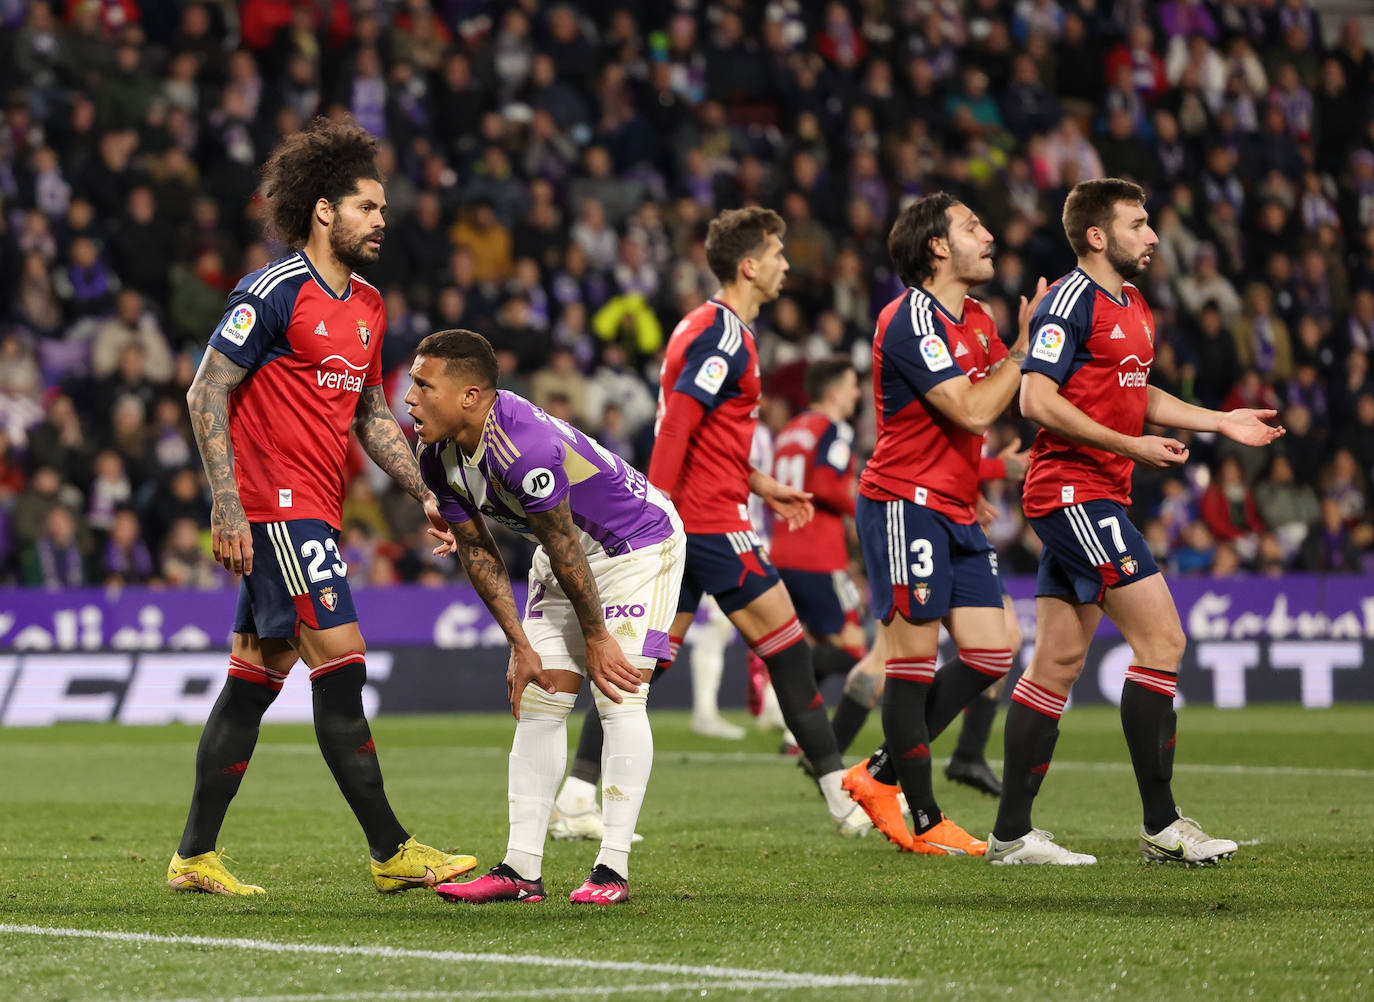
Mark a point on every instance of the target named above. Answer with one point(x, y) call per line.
point(922, 592)
point(364, 332)
point(329, 598)
point(1128, 566)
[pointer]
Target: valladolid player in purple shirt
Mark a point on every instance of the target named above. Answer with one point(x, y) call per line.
point(603, 591)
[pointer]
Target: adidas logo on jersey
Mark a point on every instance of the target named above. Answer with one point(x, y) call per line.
point(1118, 334)
point(960, 350)
point(322, 331)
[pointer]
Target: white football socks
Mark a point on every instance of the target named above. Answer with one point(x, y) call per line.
point(835, 798)
point(709, 640)
point(537, 757)
point(576, 797)
point(626, 760)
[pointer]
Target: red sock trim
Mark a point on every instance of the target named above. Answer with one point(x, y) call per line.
point(334, 664)
point(1038, 698)
point(779, 640)
point(257, 674)
point(911, 669)
point(993, 662)
point(1163, 682)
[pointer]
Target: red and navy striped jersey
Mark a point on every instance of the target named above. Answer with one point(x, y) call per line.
point(816, 454)
point(711, 356)
point(308, 353)
point(1099, 350)
point(922, 456)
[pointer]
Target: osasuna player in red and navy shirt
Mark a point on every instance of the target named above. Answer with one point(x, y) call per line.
point(708, 405)
point(939, 381)
point(293, 366)
point(816, 453)
point(1086, 383)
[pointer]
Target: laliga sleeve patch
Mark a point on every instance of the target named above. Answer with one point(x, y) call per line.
point(936, 353)
point(838, 455)
point(1049, 343)
point(711, 376)
point(239, 324)
point(538, 483)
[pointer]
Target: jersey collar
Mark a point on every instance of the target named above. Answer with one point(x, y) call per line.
point(726, 306)
point(476, 457)
point(322, 283)
point(1123, 302)
point(957, 321)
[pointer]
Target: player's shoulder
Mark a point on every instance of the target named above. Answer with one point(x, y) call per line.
point(712, 326)
point(911, 314)
point(517, 430)
point(803, 431)
point(283, 276)
point(1070, 298)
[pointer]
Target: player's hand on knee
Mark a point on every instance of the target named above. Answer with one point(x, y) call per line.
point(525, 668)
point(609, 669)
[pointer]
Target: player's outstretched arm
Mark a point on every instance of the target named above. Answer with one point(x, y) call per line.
point(1245, 425)
point(208, 403)
point(1043, 404)
point(487, 572)
point(606, 662)
point(383, 440)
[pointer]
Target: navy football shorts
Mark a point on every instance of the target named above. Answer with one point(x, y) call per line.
point(825, 600)
point(298, 577)
point(921, 563)
point(1088, 548)
point(732, 567)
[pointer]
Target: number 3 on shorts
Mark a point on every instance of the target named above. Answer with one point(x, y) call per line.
point(923, 564)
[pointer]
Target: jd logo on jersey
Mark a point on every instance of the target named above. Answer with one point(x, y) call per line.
point(364, 333)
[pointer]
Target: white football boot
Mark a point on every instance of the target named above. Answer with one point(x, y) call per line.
point(1036, 847)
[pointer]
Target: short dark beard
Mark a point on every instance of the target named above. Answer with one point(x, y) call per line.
point(1126, 266)
point(353, 254)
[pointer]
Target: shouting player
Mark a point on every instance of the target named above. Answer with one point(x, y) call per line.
point(603, 590)
point(940, 379)
point(294, 364)
point(708, 405)
point(1086, 383)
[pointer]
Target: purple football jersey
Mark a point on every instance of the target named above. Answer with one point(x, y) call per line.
point(528, 461)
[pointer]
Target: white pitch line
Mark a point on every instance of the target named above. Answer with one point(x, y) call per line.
point(450, 956)
point(660, 987)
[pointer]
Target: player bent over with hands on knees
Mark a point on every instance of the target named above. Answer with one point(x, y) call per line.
point(1086, 383)
point(941, 377)
point(294, 363)
point(603, 590)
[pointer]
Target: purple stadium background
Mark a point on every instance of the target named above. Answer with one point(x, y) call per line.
point(157, 656)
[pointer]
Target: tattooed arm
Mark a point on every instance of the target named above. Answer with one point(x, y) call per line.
point(208, 402)
point(487, 573)
point(383, 440)
point(606, 662)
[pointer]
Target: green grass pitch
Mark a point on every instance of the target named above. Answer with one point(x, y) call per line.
point(740, 889)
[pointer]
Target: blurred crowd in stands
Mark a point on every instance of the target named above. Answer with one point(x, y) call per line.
point(551, 171)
